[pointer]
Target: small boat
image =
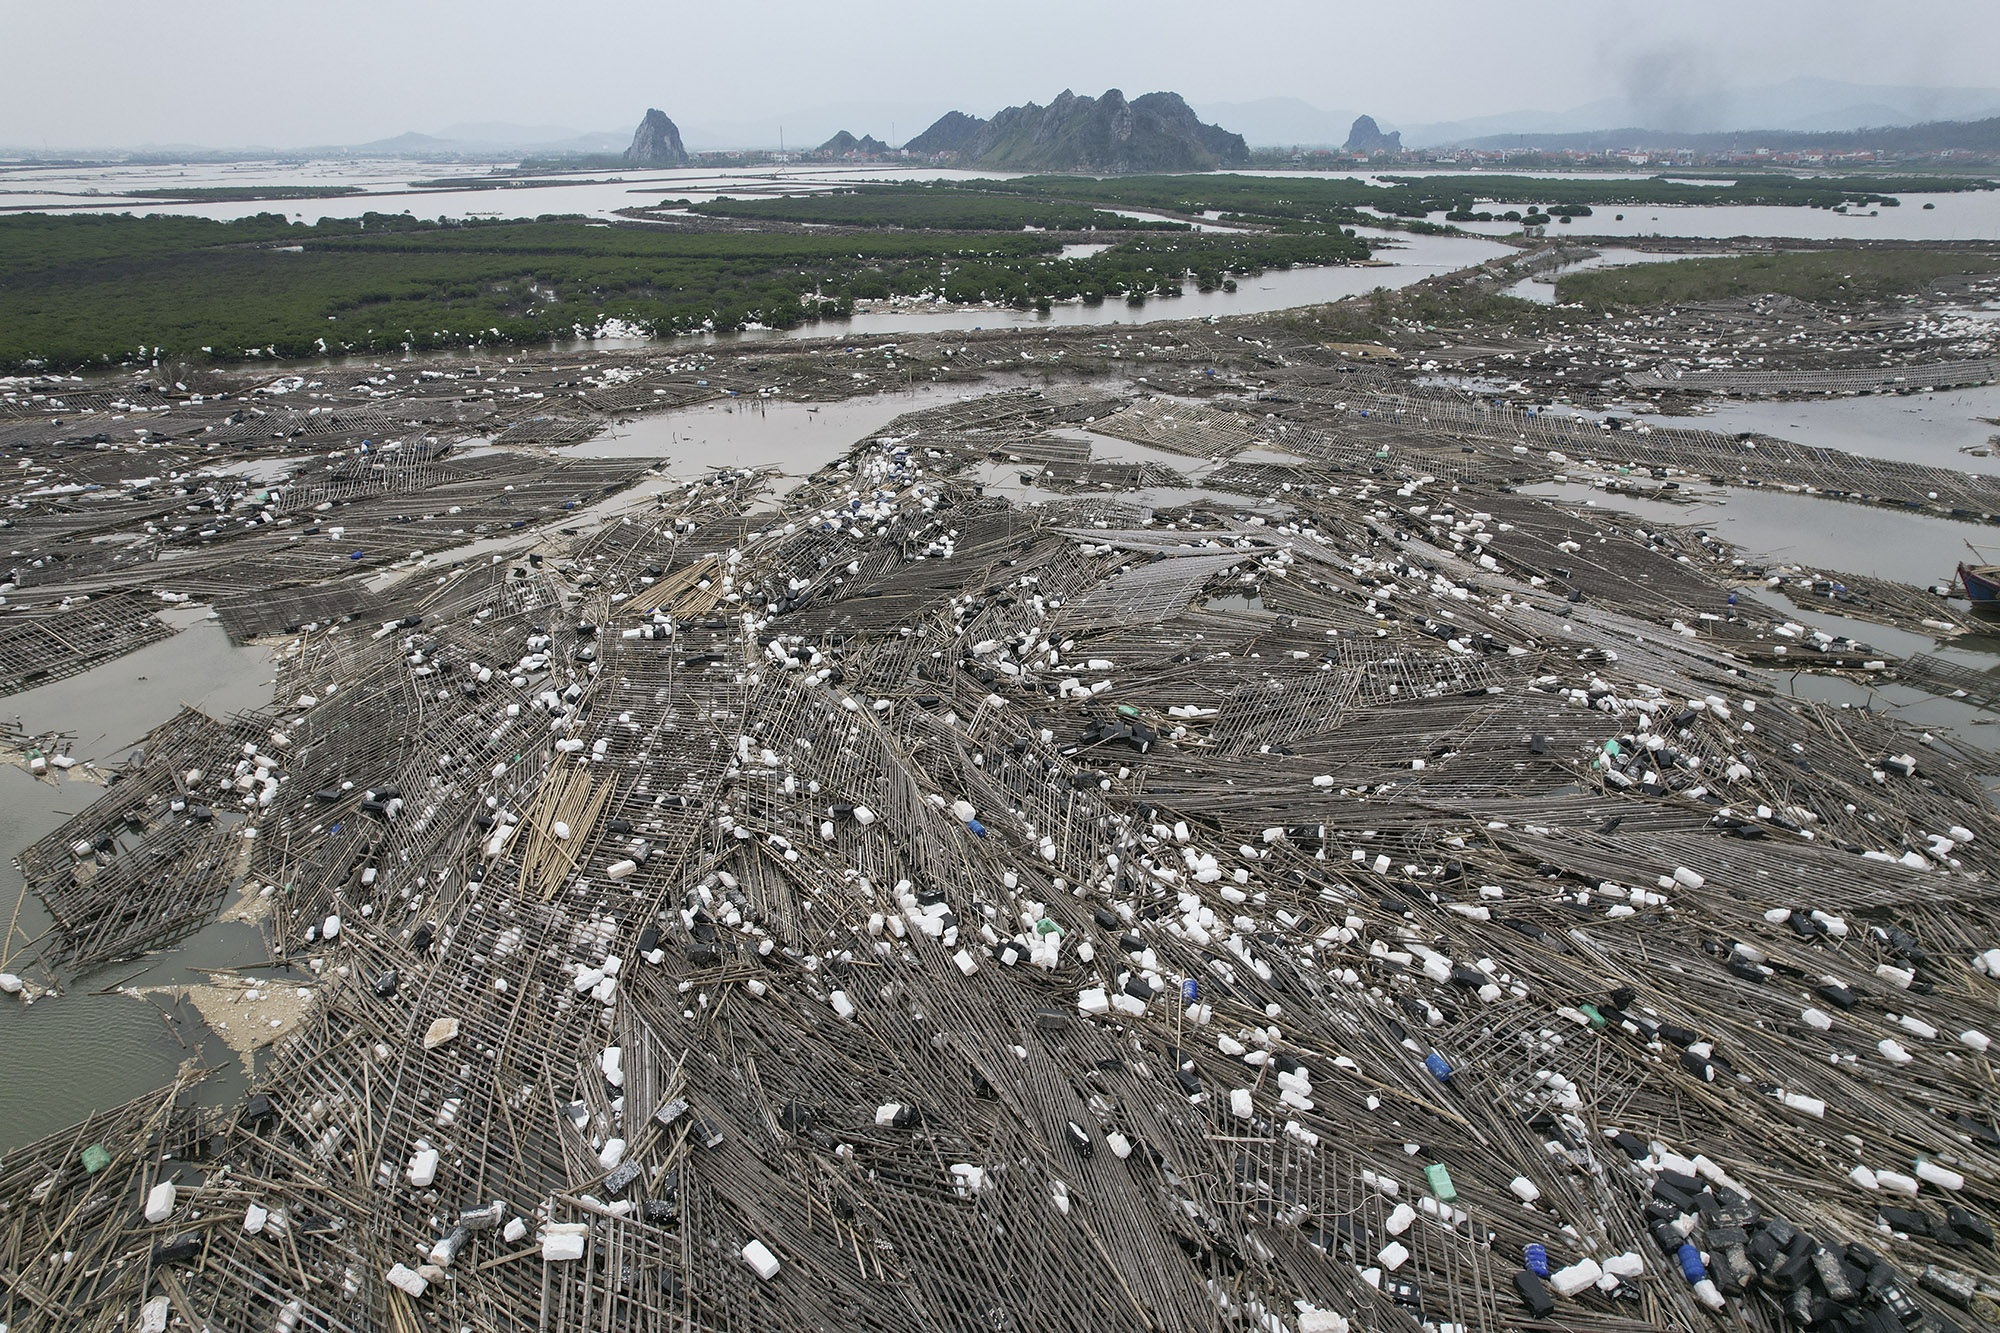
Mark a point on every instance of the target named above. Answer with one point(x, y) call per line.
point(1981, 584)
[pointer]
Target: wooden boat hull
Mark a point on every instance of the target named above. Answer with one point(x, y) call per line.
point(1981, 584)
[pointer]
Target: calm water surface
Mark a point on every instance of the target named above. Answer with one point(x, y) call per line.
point(133, 1044)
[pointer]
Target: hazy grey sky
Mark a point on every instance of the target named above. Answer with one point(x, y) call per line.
point(231, 72)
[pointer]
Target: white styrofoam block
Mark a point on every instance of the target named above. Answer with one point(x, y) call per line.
point(563, 1241)
point(1579, 1276)
point(760, 1258)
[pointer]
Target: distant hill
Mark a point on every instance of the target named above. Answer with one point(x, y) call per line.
point(486, 141)
point(1156, 132)
point(501, 136)
point(1806, 105)
point(1961, 136)
point(402, 145)
point(1282, 122)
point(843, 143)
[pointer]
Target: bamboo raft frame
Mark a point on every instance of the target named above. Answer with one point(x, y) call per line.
point(1390, 728)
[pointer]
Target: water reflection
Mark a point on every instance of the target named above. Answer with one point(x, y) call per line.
point(1806, 529)
point(1942, 429)
point(132, 1043)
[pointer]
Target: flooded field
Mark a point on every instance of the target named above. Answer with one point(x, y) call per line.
point(1827, 534)
point(1403, 260)
point(387, 187)
point(1541, 288)
point(1951, 429)
point(133, 1041)
point(1956, 217)
point(792, 438)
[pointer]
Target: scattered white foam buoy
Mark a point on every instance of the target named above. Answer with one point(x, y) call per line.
point(759, 1257)
point(1896, 1182)
point(1579, 1276)
point(563, 1242)
point(1944, 1178)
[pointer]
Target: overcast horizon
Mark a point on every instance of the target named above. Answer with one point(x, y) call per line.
point(224, 74)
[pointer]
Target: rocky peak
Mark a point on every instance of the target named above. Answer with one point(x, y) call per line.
point(1366, 137)
point(657, 142)
point(1155, 132)
point(844, 144)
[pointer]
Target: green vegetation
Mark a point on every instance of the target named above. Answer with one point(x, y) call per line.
point(1827, 277)
point(1417, 317)
point(1409, 318)
point(918, 205)
point(81, 290)
point(514, 181)
point(240, 194)
point(1338, 201)
point(580, 162)
point(1290, 202)
point(1576, 195)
